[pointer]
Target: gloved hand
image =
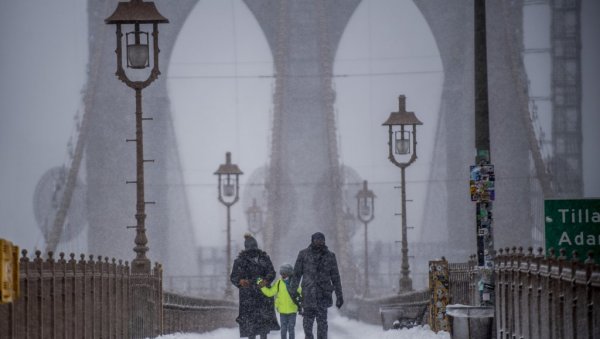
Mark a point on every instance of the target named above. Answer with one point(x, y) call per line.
point(339, 301)
point(244, 283)
point(296, 299)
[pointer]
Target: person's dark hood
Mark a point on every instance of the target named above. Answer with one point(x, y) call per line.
point(250, 242)
point(317, 236)
point(318, 247)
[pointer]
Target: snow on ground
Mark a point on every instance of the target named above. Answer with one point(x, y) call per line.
point(340, 327)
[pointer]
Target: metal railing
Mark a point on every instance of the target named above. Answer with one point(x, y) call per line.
point(404, 308)
point(101, 298)
point(537, 296)
point(69, 298)
point(546, 297)
point(188, 314)
point(462, 282)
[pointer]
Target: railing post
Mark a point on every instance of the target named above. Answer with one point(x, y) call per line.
point(561, 294)
point(38, 264)
point(144, 303)
point(519, 294)
point(592, 282)
point(539, 282)
point(84, 289)
point(529, 282)
point(574, 296)
point(552, 266)
point(62, 264)
point(25, 268)
point(500, 294)
point(74, 296)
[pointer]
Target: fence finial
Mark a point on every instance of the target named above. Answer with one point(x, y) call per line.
point(574, 257)
point(563, 254)
point(540, 251)
point(590, 257)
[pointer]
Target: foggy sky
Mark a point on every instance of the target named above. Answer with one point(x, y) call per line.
point(224, 105)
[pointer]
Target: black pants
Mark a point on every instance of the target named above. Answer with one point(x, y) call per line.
point(309, 318)
point(262, 336)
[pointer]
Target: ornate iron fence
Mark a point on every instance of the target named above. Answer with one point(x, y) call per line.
point(537, 296)
point(546, 297)
point(462, 282)
point(69, 298)
point(100, 298)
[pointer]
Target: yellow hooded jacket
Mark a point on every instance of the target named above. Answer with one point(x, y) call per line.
point(283, 300)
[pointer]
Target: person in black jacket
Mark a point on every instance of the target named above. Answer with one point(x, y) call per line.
point(317, 268)
point(253, 269)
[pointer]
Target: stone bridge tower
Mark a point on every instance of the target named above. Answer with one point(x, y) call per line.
point(303, 178)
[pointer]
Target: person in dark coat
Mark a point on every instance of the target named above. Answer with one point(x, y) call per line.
point(257, 312)
point(316, 266)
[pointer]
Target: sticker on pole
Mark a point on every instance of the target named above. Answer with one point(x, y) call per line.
point(481, 183)
point(573, 225)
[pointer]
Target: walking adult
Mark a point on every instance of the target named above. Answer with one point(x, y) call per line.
point(317, 269)
point(253, 269)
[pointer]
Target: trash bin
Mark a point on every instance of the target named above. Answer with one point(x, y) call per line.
point(471, 322)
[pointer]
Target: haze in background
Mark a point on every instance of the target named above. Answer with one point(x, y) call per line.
point(227, 106)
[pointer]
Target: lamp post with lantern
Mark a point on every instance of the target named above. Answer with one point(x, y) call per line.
point(365, 211)
point(349, 222)
point(229, 189)
point(254, 215)
point(402, 145)
point(137, 15)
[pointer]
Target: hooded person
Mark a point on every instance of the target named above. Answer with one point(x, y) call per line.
point(256, 311)
point(317, 270)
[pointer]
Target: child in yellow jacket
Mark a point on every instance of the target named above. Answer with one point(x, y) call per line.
point(284, 304)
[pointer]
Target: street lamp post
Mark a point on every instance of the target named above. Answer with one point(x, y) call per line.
point(229, 189)
point(136, 14)
point(365, 211)
point(349, 222)
point(254, 215)
point(400, 146)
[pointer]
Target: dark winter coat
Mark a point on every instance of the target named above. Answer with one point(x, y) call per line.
point(257, 312)
point(318, 270)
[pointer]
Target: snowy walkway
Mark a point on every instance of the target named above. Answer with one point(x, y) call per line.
point(340, 327)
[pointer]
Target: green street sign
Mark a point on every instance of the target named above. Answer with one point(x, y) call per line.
point(573, 225)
